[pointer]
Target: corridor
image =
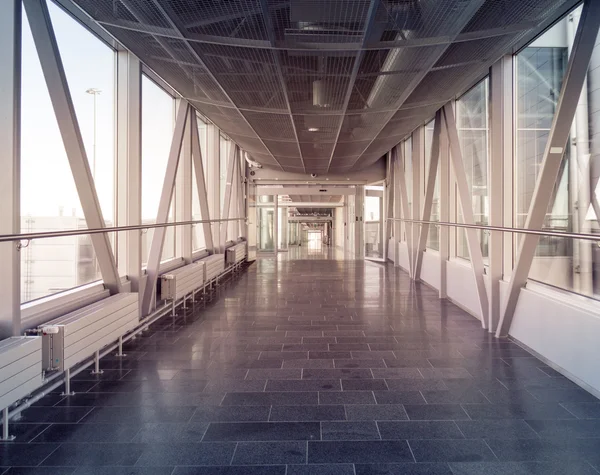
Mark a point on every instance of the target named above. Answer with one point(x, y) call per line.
point(323, 367)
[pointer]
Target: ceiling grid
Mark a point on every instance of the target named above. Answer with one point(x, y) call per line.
point(318, 86)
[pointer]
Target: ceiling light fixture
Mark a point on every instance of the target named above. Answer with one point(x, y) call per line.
point(313, 129)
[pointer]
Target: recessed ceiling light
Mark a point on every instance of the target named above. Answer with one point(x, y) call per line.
point(313, 129)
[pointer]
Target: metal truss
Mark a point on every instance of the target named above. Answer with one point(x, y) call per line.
point(404, 201)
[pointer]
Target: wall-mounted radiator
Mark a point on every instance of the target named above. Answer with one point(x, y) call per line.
point(236, 253)
point(70, 339)
point(20, 368)
point(214, 265)
point(180, 282)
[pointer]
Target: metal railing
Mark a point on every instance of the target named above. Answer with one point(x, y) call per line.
point(79, 232)
point(539, 232)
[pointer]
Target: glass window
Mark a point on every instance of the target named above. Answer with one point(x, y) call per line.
point(473, 131)
point(158, 121)
point(540, 69)
point(433, 238)
point(49, 198)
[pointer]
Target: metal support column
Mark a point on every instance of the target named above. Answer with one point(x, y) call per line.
point(54, 73)
point(129, 166)
point(501, 81)
point(389, 205)
point(164, 204)
point(10, 159)
point(575, 76)
point(418, 152)
point(213, 181)
point(467, 211)
point(444, 231)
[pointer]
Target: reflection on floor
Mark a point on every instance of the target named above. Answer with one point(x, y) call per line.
point(315, 367)
point(313, 251)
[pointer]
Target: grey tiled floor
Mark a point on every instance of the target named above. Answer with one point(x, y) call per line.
point(315, 367)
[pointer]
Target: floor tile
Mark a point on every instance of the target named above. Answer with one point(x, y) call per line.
point(522, 468)
point(262, 431)
point(186, 454)
point(346, 397)
point(404, 469)
point(435, 412)
point(471, 450)
point(497, 429)
point(261, 453)
point(419, 430)
point(95, 454)
point(308, 413)
point(379, 412)
point(359, 452)
point(349, 431)
point(323, 469)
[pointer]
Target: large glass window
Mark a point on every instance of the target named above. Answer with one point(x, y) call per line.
point(158, 120)
point(433, 235)
point(49, 199)
point(473, 131)
point(540, 69)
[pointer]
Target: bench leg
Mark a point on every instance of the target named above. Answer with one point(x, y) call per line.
point(6, 437)
point(97, 369)
point(120, 353)
point(68, 391)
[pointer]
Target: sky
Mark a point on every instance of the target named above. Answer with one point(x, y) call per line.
point(47, 185)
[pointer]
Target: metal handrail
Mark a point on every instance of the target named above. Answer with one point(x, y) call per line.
point(539, 232)
point(79, 232)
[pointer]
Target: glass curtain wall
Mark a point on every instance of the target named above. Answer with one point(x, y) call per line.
point(540, 69)
point(49, 199)
point(472, 119)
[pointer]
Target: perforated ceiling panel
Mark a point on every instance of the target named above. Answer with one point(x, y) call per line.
point(320, 85)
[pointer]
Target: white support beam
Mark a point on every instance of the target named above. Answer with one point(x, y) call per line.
point(575, 76)
point(201, 182)
point(429, 189)
point(322, 190)
point(129, 166)
point(444, 231)
point(397, 204)
point(10, 159)
point(418, 153)
point(164, 204)
point(54, 73)
point(466, 207)
point(389, 204)
point(242, 196)
point(359, 228)
point(228, 188)
point(213, 180)
point(501, 83)
point(404, 202)
point(183, 201)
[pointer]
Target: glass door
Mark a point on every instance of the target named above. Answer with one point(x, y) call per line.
point(265, 224)
point(373, 223)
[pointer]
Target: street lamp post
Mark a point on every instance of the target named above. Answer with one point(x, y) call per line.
point(94, 92)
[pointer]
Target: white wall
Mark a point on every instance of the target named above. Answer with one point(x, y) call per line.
point(562, 328)
point(338, 224)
